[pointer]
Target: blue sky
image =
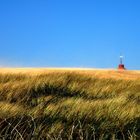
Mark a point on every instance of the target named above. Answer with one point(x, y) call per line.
point(69, 33)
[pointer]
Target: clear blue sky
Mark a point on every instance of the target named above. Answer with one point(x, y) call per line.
point(69, 33)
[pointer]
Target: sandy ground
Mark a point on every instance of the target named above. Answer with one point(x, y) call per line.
point(101, 73)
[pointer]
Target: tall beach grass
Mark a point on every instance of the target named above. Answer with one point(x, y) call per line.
point(69, 105)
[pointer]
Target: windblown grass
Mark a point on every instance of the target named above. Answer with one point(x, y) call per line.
point(71, 105)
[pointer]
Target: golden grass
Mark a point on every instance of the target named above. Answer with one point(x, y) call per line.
point(101, 73)
point(69, 104)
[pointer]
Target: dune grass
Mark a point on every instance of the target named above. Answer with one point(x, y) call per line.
point(69, 105)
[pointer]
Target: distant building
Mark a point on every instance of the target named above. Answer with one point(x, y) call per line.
point(121, 65)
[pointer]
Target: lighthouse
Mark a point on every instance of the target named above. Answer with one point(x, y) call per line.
point(121, 65)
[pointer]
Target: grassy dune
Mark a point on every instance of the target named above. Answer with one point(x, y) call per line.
point(73, 104)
